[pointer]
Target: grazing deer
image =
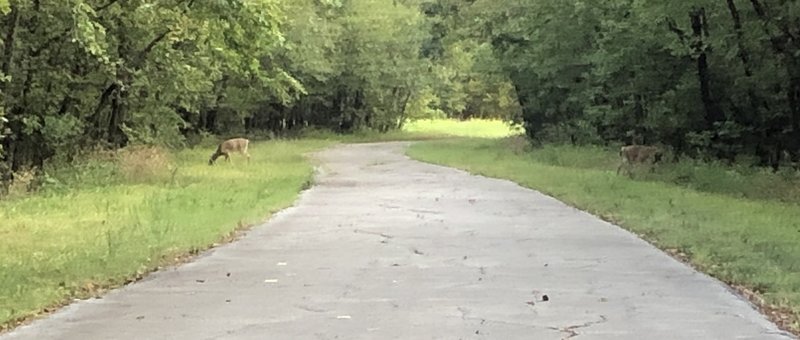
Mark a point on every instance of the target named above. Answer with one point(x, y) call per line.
point(231, 145)
point(633, 154)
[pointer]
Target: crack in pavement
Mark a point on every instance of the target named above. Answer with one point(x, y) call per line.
point(425, 211)
point(482, 322)
point(391, 207)
point(571, 330)
point(375, 233)
point(311, 309)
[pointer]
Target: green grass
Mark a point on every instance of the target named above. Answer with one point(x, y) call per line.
point(112, 218)
point(107, 220)
point(107, 223)
point(734, 233)
point(425, 130)
point(471, 128)
point(740, 180)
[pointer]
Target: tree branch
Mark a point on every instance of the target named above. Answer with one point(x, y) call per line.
point(153, 43)
point(161, 36)
point(674, 28)
point(103, 7)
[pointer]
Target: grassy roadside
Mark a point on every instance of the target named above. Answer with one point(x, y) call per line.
point(116, 217)
point(734, 234)
point(118, 220)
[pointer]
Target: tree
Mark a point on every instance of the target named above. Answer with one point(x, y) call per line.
point(711, 78)
point(358, 61)
point(114, 72)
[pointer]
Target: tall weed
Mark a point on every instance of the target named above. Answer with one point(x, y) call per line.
point(145, 164)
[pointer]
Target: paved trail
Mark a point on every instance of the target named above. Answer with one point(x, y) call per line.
point(388, 248)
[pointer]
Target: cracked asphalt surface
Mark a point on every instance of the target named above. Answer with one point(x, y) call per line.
point(384, 247)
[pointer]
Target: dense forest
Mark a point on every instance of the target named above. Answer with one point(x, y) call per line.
point(709, 79)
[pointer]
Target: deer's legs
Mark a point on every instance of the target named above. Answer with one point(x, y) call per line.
point(623, 164)
point(246, 153)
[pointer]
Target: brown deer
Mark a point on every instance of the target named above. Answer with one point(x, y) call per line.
point(634, 154)
point(231, 145)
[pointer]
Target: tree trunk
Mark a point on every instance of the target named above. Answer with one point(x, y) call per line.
point(794, 137)
point(638, 118)
point(713, 113)
point(116, 136)
point(403, 107)
point(744, 55)
point(98, 117)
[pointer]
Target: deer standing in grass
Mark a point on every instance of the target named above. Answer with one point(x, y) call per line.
point(227, 147)
point(633, 154)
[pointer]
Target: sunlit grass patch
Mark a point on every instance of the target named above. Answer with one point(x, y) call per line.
point(479, 128)
point(425, 130)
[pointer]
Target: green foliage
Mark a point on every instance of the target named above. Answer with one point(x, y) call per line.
point(709, 78)
point(113, 73)
point(359, 62)
point(465, 73)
